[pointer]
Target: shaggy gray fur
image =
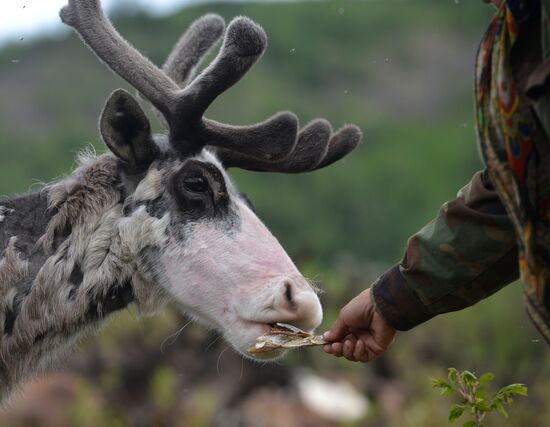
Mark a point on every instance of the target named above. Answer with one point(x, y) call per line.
point(63, 274)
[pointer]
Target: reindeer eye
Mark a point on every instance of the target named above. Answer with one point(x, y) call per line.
point(195, 183)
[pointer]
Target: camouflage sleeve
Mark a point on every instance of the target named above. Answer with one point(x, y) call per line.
point(465, 254)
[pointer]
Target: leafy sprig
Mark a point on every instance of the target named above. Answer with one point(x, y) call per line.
point(473, 398)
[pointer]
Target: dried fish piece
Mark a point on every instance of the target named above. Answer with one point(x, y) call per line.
point(283, 336)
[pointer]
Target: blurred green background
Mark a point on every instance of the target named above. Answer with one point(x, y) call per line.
point(403, 72)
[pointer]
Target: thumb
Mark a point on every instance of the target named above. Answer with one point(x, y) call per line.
point(338, 331)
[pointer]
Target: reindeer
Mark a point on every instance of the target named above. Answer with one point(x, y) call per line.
point(156, 219)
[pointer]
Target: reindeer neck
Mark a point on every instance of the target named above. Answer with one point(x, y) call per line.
point(68, 259)
point(24, 218)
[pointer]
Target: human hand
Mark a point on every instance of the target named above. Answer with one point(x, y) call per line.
point(359, 334)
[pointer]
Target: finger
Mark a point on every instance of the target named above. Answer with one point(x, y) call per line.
point(337, 332)
point(365, 358)
point(336, 349)
point(360, 353)
point(347, 350)
point(327, 348)
point(351, 337)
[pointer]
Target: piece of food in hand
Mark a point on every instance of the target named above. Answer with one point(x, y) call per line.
point(283, 336)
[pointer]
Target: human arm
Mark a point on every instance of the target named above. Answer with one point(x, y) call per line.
point(465, 254)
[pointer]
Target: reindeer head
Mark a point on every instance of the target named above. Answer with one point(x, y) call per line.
point(217, 260)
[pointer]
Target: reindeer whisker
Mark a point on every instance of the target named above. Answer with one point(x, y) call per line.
point(212, 343)
point(315, 285)
point(171, 339)
point(219, 358)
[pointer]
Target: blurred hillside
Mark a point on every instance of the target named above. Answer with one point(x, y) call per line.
point(401, 70)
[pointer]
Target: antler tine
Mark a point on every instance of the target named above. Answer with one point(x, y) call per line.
point(192, 47)
point(315, 149)
point(272, 140)
point(95, 29)
point(244, 44)
point(341, 144)
point(195, 43)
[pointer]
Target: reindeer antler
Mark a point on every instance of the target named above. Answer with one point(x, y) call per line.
point(196, 42)
point(269, 146)
point(315, 147)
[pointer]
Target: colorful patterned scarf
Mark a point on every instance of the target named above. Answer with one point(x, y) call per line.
point(504, 126)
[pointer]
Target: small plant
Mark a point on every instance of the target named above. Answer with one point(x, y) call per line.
point(473, 398)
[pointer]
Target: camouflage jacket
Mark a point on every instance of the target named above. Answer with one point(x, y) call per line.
point(498, 227)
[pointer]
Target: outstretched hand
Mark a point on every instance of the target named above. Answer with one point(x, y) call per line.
point(359, 334)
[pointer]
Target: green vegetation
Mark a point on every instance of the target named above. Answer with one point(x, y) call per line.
point(473, 398)
point(399, 69)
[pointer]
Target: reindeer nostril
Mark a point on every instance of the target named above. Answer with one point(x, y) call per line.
point(288, 293)
point(296, 304)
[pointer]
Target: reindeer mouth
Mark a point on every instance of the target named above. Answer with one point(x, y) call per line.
point(244, 336)
point(267, 355)
point(280, 338)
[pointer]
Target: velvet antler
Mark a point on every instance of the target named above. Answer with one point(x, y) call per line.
point(273, 145)
point(315, 147)
point(196, 42)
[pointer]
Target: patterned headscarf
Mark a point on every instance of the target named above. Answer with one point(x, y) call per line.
point(504, 126)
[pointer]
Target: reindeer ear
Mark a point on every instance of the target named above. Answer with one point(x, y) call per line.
point(127, 132)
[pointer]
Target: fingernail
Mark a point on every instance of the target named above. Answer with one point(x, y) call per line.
point(327, 335)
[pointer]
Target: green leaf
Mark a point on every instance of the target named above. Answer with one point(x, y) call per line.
point(453, 375)
point(498, 406)
point(444, 388)
point(439, 383)
point(446, 392)
point(468, 378)
point(486, 379)
point(481, 394)
point(469, 424)
point(513, 389)
point(456, 412)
